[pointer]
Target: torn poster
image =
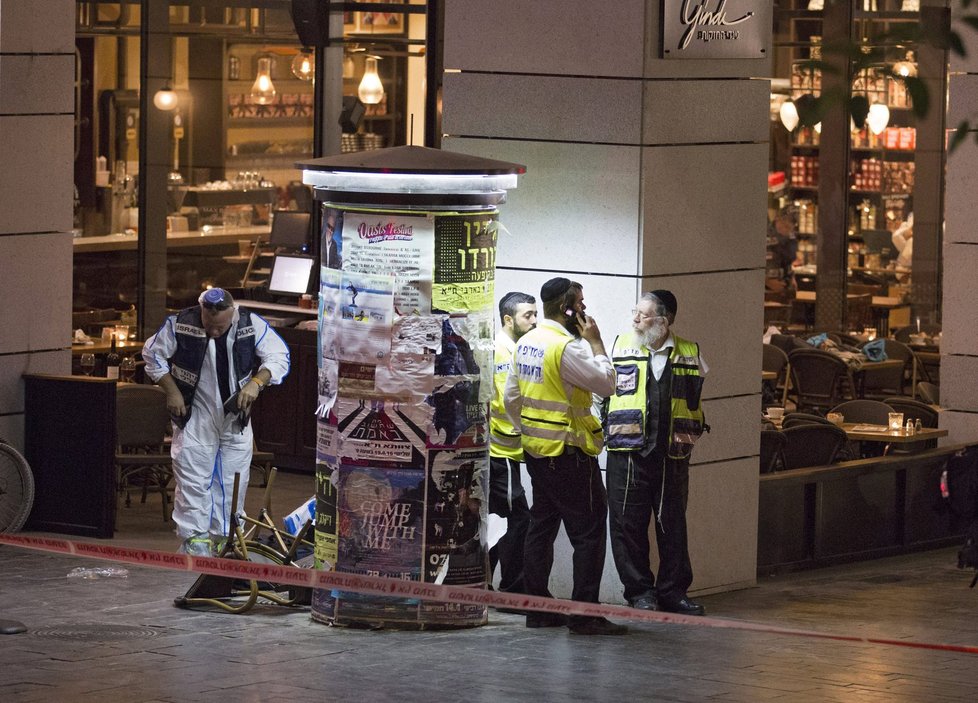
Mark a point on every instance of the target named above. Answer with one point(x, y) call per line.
point(366, 317)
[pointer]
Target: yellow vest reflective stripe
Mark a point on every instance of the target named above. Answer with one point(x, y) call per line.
point(504, 440)
point(626, 422)
point(550, 420)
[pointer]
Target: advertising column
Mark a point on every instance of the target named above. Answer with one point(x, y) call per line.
point(405, 376)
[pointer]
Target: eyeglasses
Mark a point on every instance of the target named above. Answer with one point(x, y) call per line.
point(644, 316)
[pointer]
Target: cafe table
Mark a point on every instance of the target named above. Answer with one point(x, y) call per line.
point(862, 432)
point(100, 347)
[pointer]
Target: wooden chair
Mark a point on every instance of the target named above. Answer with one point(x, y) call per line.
point(813, 445)
point(141, 458)
point(820, 379)
point(772, 446)
point(873, 412)
point(775, 360)
point(795, 419)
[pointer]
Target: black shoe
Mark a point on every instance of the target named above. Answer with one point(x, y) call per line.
point(595, 626)
point(683, 606)
point(545, 620)
point(645, 603)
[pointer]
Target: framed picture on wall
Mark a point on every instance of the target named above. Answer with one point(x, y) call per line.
point(380, 22)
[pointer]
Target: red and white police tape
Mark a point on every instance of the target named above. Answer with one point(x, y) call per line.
point(314, 578)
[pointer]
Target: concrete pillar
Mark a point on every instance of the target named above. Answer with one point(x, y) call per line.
point(36, 149)
point(642, 173)
point(959, 340)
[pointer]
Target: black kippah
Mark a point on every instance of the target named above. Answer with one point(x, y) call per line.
point(554, 288)
point(668, 300)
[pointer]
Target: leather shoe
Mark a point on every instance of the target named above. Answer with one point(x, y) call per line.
point(683, 606)
point(645, 603)
point(595, 626)
point(535, 620)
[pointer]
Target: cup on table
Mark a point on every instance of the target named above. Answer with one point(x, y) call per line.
point(121, 333)
point(835, 418)
point(244, 247)
point(894, 421)
point(775, 413)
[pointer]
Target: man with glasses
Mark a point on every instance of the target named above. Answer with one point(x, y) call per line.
point(212, 359)
point(653, 419)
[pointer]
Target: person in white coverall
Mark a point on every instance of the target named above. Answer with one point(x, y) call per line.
point(212, 360)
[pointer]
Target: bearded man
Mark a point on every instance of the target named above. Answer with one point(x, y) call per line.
point(653, 420)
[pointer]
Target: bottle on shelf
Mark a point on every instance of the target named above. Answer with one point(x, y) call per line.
point(112, 361)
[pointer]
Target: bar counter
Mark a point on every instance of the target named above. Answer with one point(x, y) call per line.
point(210, 235)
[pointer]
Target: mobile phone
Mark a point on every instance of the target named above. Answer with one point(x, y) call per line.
point(572, 324)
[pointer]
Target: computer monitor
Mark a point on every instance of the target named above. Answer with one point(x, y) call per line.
point(290, 230)
point(880, 241)
point(292, 275)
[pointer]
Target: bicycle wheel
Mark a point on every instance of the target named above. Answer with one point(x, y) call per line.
point(16, 489)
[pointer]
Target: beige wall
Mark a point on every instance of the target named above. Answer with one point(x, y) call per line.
point(959, 339)
point(641, 173)
point(37, 44)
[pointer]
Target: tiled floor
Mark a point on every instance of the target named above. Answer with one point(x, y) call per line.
point(110, 640)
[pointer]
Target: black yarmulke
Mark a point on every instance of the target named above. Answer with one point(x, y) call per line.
point(554, 288)
point(668, 300)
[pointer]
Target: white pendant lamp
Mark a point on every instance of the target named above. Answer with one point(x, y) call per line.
point(303, 65)
point(371, 90)
point(263, 90)
point(165, 98)
point(789, 115)
point(878, 118)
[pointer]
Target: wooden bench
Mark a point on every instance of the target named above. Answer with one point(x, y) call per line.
point(854, 510)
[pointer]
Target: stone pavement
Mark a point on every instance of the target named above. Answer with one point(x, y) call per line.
point(111, 639)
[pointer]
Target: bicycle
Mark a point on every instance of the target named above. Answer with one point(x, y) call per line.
point(16, 488)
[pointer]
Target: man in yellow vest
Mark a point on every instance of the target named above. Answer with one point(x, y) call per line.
point(507, 499)
point(653, 419)
point(556, 368)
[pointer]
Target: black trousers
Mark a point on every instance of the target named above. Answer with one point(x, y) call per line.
point(566, 489)
point(635, 488)
point(508, 551)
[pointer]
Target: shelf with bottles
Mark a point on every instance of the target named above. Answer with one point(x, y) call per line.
point(886, 177)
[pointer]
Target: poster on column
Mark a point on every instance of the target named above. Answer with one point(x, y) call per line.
point(326, 546)
point(455, 545)
point(381, 432)
point(329, 311)
point(380, 518)
point(366, 317)
point(465, 263)
point(401, 245)
point(459, 418)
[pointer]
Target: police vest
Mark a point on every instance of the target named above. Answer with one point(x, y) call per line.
point(504, 440)
point(628, 407)
point(549, 418)
point(188, 359)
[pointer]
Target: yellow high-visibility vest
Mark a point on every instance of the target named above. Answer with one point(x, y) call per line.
point(627, 408)
point(504, 440)
point(550, 420)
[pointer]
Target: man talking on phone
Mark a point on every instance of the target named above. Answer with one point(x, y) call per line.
point(556, 367)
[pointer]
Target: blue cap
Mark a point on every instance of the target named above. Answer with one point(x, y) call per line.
point(216, 299)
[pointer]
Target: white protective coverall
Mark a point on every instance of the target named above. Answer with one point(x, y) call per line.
point(210, 449)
